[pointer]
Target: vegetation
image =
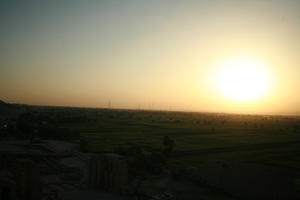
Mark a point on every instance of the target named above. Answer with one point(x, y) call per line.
point(199, 137)
point(183, 138)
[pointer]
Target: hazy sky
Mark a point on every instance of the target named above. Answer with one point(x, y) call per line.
point(143, 52)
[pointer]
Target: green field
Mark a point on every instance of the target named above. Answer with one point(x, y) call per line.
point(199, 137)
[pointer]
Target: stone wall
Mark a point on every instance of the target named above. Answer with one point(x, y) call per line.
point(109, 172)
point(7, 186)
point(28, 180)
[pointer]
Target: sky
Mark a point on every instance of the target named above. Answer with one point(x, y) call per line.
point(146, 54)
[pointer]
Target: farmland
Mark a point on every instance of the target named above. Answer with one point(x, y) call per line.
point(213, 153)
point(198, 137)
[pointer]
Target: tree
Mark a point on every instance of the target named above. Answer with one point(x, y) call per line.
point(168, 145)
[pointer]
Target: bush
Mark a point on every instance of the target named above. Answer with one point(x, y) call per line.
point(141, 160)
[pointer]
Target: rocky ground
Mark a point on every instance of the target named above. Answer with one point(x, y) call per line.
point(64, 176)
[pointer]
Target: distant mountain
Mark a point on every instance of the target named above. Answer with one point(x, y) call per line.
point(8, 110)
point(3, 104)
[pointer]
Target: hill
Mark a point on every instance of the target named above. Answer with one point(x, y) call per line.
point(8, 110)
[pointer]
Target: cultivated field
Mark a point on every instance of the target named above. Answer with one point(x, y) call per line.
point(198, 137)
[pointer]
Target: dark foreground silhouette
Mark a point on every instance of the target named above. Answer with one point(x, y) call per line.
point(78, 153)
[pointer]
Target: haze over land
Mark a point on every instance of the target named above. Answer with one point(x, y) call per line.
point(147, 54)
point(87, 86)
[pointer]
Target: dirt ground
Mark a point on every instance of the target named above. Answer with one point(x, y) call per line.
point(251, 181)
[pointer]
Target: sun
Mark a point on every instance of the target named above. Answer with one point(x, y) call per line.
point(242, 79)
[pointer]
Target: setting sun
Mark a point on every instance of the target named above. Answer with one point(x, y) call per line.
point(242, 79)
point(139, 99)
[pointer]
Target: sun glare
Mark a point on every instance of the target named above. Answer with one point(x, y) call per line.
point(242, 79)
